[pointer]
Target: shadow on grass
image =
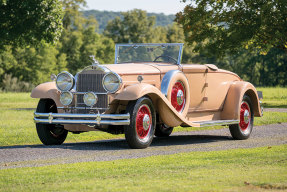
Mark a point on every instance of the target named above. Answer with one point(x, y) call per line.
point(121, 144)
point(270, 105)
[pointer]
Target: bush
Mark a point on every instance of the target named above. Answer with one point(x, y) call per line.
point(12, 84)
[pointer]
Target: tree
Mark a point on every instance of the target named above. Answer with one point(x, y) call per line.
point(72, 16)
point(135, 27)
point(29, 22)
point(222, 26)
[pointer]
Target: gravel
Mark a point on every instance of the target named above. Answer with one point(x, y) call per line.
point(108, 150)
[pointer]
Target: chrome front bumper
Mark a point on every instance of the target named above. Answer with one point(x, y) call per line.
point(83, 119)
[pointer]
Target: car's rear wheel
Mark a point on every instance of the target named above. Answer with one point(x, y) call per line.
point(50, 134)
point(163, 130)
point(139, 134)
point(243, 130)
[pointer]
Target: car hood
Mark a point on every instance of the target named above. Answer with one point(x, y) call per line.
point(141, 68)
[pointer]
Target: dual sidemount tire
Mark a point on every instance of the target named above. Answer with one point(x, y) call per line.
point(50, 134)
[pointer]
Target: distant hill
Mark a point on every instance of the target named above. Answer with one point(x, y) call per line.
point(104, 16)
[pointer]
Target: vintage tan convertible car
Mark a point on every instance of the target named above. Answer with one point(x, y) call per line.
point(146, 92)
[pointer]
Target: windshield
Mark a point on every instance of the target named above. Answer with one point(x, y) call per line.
point(138, 53)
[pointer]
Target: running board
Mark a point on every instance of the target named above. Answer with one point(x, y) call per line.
point(215, 122)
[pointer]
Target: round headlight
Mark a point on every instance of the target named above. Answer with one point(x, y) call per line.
point(112, 82)
point(65, 81)
point(90, 99)
point(66, 98)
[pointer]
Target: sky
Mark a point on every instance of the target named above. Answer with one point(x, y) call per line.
point(152, 6)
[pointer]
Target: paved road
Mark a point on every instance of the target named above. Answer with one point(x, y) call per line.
point(106, 150)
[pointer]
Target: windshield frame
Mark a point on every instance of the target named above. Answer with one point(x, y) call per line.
point(149, 44)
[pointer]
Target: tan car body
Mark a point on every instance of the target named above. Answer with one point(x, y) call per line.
point(212, 93)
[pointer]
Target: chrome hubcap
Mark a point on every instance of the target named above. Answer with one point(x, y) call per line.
point(179, 97)
point(246, 116)
point(146, 122)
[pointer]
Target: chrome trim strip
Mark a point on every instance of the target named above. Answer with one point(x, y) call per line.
point(72, 115)
point(85, 122)
point(146, 44)
point(116, 53)
point(180, 55)
point(87, 108)
point(216, 122)
point(82, 93)
point(109, 119)
point(95, 67)
point(166, 81)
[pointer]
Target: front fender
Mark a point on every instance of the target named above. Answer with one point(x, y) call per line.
point(166, 111)
point(47, 90)
point(237, 90)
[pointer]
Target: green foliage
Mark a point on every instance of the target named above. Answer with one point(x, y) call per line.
point(33, 65)
point(223, 26)
point(30, 22)
point(103, 17)
point(78, 41)
point(12, 84)
point(261, 70)
point(135, 27)
point(79, 44)
point(72, 15)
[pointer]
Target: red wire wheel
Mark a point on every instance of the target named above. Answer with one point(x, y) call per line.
point(178, 96)
point(245, 116)
point(143, 121)
point(243, 129)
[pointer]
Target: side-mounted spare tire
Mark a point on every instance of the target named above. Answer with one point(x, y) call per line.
point(175, 87)
point(50, 134)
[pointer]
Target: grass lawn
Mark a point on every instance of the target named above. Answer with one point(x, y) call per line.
point(17, 126)
point(274, 97)
point(257, 169)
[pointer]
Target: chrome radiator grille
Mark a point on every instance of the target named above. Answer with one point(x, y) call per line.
point(87, 81)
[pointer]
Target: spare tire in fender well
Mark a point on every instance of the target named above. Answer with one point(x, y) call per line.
point(169, 80)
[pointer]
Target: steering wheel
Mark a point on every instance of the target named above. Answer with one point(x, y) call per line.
point(165, 56)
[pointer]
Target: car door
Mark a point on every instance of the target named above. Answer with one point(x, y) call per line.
point(196, 75)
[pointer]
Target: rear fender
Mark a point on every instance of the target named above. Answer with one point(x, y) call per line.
point(237, 90)
point(47, 91)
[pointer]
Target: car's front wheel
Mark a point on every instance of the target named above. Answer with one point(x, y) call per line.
point(243, 130)
point(139, 134)
point(50, 134)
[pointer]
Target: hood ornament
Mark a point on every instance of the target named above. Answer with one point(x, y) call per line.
point(96, 65)
point(95, 62)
